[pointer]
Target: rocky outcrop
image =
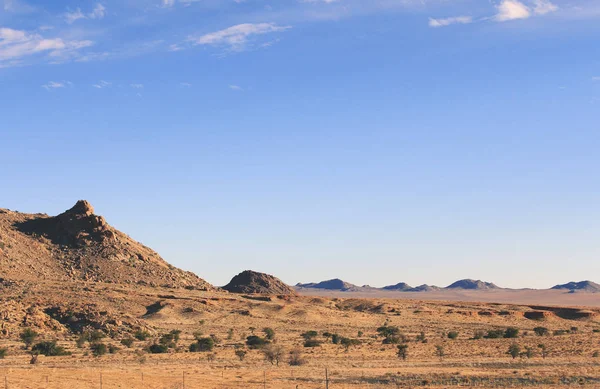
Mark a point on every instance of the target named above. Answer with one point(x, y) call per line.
point(251, 282)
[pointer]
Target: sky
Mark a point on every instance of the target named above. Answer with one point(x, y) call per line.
point(379, 141)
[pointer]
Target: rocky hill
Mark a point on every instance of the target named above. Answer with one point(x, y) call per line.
point(472, 285)
point(253, 282)
point(583, 286)
point(335, 284)
point(401, 287)
point(80, 245)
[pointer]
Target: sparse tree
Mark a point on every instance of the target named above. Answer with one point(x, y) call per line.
point(543, 349)
point(296, 358)
point(402, 351)
point(256, 342)
point(440, 351)
point(347, 343)
point(514, 350)
point(269, 333)
point(541, 331)
point(528, 353)
point(273, 354)
point(28, 336)
point(98, 349)
point(240, 353)
point(202, 345)
point(511, 333)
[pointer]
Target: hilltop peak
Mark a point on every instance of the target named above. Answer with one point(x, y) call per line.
point(585, 286)
point(470, 284)
point(82, 207)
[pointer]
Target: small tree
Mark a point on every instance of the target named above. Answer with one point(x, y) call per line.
point(3, 352)
point(402, 351)
point(256, 342)
point(528, 353)
point(49, 349)
point(202, 345)
point(347, 343)
point(543, 349)
point(141, 335)
point(511, 332)
point(240, 353)
point(273, 354)
point(158, 349)
point(127, 342)
point(440, 352)
point(309, 335)
point(98, 349)
point(269, 333)
point(312, 343)
point(296, 358)
point(452, 335)
point(28, 336)
point(541, 331)
point(514, 350)
point(335, 338)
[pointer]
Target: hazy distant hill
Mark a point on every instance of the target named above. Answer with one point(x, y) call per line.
point(335, 284)
point(402, 286)
point(582, 286)
point(469, 284)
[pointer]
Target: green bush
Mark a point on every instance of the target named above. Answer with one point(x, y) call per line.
point(495, 334)
point(141, 335)
point(127, 342)
point(514, 350)
point(541, 331)
point(452, 335)
point(28, 336)
point(256, 342)
point(269, 333)
point(402, 351)
point(335, 339)
point(309, 335)
point(347, 343)
point(3, 352)
point(202, 345)
point(98, 349)
point(240, 353)
point(49, 349)
point(158, 349)
point(312, 343)
point(112, 349)
point(511, 332)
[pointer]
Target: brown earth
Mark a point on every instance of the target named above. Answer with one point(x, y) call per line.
point(79, 245)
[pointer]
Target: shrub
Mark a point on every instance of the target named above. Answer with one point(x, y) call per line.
point(541, 331)
point(360, 334)
point(388, 331)
point(141, 335)
point(202, 345)
point(3, 352)
point(421, 337)
point(336, 339)
point(560, 332)
point(269, 333)
point(495, 334)
point(514, 350)
point(347, 343)
point(309, 335)
point(478, 335)
point(440, 351)
point(296, 358)
point(543, 349)
point(402, 351)
point(98, 349)
point(127, 342)
point(511, 332)
point(256, 342)
point(596, 354)
point(452, 335)
point(28, 336)
point(273, 354)
point(596, 330)
point(312, 343)
point(240, 353)
point(49, 349)
point(170, 340)
point(158, 349)
point(112, 349)
point(528, 353)
point(230, 334)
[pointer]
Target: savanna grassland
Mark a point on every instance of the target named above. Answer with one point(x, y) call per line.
point(363, 343)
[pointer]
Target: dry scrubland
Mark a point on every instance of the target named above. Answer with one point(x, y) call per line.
point(120, 311)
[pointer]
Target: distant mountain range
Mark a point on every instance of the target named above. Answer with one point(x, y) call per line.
point(466, 284)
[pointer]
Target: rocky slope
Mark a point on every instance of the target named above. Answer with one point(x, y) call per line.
point(335, 284)
point(472, 285)
point(583, 286)
point(80, 245)
point(260, 283)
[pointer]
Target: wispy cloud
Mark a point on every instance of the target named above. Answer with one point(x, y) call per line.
point(185, 84)
point(102, 84)
point(449, 21)
point(236, 87)
point(512, 10)
point(137, 86)
point(16, 45)
point(56, 85)
point(596, 79)
point(237, 37)
point(98, 12)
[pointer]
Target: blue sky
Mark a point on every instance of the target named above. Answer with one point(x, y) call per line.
point(376, 141)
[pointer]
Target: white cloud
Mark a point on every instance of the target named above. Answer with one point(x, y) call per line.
point(236, 87)
point(448, 21)
point(185, 84)
point(236, 37)
point(99, 12)
point(596, 79)
point(102, 84)
point(56, 84)
point(512, 10)
point(319, 1)
point(542, 7)
point(168, 3)
point(16, 45)
point(137, 86)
